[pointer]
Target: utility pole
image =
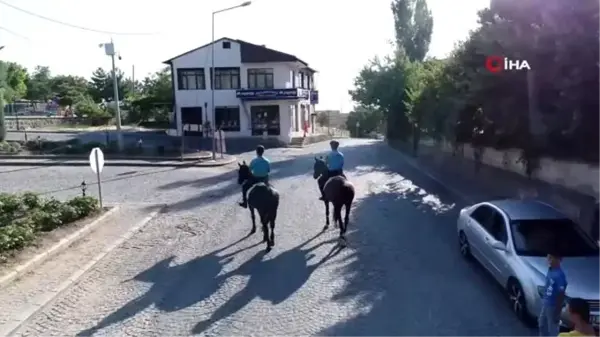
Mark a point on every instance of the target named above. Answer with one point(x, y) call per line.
point(109, 49)
point(133, 79)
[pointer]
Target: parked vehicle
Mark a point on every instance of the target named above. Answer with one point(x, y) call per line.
point(511, 239)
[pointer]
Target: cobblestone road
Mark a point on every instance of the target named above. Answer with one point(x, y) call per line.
point(192, 272)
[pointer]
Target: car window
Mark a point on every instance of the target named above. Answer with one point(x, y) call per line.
point(539, 237)
point(482, 214)
point(497, 227)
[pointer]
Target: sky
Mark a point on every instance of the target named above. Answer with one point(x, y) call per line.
point(335, 37)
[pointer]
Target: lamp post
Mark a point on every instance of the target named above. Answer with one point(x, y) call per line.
point(212, 80)
point(109, 49)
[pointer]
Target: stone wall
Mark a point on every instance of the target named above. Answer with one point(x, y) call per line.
point(38, 122)
point(571, 187)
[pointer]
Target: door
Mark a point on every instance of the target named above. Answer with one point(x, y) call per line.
point(476, 233)
point(265, 118)
point(496, 231)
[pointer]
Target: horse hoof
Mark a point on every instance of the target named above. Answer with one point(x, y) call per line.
point(268, 249)
point(342, 242)
point(252, 231)
point(325, 228)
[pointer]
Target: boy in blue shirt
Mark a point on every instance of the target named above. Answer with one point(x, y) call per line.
point(260, 168)
point(554, 295)
point(335, 166)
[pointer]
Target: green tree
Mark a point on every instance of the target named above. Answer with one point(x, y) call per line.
point(322, 118)
point(381, 85)
point(370, 120)
point(101, 85)
point(155, 99)
point(38, 84)
point(69, 89)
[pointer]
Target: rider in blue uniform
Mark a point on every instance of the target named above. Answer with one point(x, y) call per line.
point(260, 168)
point(335, 165)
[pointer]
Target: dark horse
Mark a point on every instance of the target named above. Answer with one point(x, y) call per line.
point(339, 191)
point(265, 199)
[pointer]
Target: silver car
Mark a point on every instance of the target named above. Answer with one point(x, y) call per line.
point(511, 239)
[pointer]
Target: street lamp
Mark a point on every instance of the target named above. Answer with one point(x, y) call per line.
point(109, 49)
point(212, 80)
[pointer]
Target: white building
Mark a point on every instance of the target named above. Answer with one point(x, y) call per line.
point(257, 90)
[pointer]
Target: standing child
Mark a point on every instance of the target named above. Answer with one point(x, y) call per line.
point(554, 295)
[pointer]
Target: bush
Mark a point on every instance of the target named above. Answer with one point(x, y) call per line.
point(10, 147)
point(22, 216)
point(16, 236)
point(84, 206)
point(47, 221)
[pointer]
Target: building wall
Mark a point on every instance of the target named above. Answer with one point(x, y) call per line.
point(282, 77)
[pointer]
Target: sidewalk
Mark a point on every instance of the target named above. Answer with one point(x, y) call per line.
point(24, 296)
point(460, 176)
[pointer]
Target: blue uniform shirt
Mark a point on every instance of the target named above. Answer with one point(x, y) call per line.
point(260, 167)
point(335, 160)
point(556, 282)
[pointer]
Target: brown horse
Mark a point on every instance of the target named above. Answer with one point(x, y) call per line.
point(340, 192)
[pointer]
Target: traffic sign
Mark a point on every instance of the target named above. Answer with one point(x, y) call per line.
point(96, 160)
point(97, 164)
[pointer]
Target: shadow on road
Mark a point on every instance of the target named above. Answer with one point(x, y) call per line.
point(174, 287)
point(290, 268)
point(178, 287)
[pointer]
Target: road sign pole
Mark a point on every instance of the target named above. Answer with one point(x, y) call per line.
point(98, 178)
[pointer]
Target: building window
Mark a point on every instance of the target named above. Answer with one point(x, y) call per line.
point(191, 79)
point(302, 81)
point(260, 78)
point(191, 115)
point(226, 78)
point(228, 118)
point(265, 118)
point(308, 82)
point(226, 45)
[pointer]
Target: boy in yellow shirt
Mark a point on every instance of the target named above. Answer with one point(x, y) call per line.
point(579, 314)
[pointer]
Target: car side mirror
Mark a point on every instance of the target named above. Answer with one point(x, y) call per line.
point(498, 246)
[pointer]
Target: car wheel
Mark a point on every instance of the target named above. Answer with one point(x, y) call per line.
point(517, 300)
point(463, 244)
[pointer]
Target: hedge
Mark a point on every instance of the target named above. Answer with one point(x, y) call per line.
point(24, 216)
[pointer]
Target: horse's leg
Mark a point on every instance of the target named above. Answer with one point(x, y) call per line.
point(272, 223)
point(337, 217)
point(265, 229)
point(326, 215)
point(347, 216)
point(253, 221)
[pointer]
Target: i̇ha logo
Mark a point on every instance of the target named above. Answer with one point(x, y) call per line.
point(496, 64)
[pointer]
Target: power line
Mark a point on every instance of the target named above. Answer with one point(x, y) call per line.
point(69, 24)
point(14, 33)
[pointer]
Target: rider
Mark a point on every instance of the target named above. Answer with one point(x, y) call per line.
point(335, 165)
point(260, 167)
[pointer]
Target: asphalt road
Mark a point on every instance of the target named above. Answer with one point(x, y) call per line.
point(191, 271)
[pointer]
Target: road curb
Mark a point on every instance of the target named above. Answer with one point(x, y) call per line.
point(48, 298)
point(55, 249)
point(129, 163)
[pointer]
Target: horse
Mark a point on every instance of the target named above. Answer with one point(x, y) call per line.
point(265, 199)
point(340, 192)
